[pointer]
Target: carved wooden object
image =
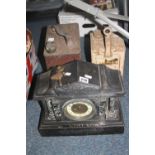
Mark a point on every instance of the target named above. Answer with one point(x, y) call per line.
point(107, 48)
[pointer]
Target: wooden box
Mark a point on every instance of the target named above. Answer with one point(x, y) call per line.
point(62, 44)
point(107, 48)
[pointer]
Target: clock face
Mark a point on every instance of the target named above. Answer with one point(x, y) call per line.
point(79, 109)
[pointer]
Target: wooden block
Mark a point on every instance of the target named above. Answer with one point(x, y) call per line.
point(62, 44)
point(107, 48)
